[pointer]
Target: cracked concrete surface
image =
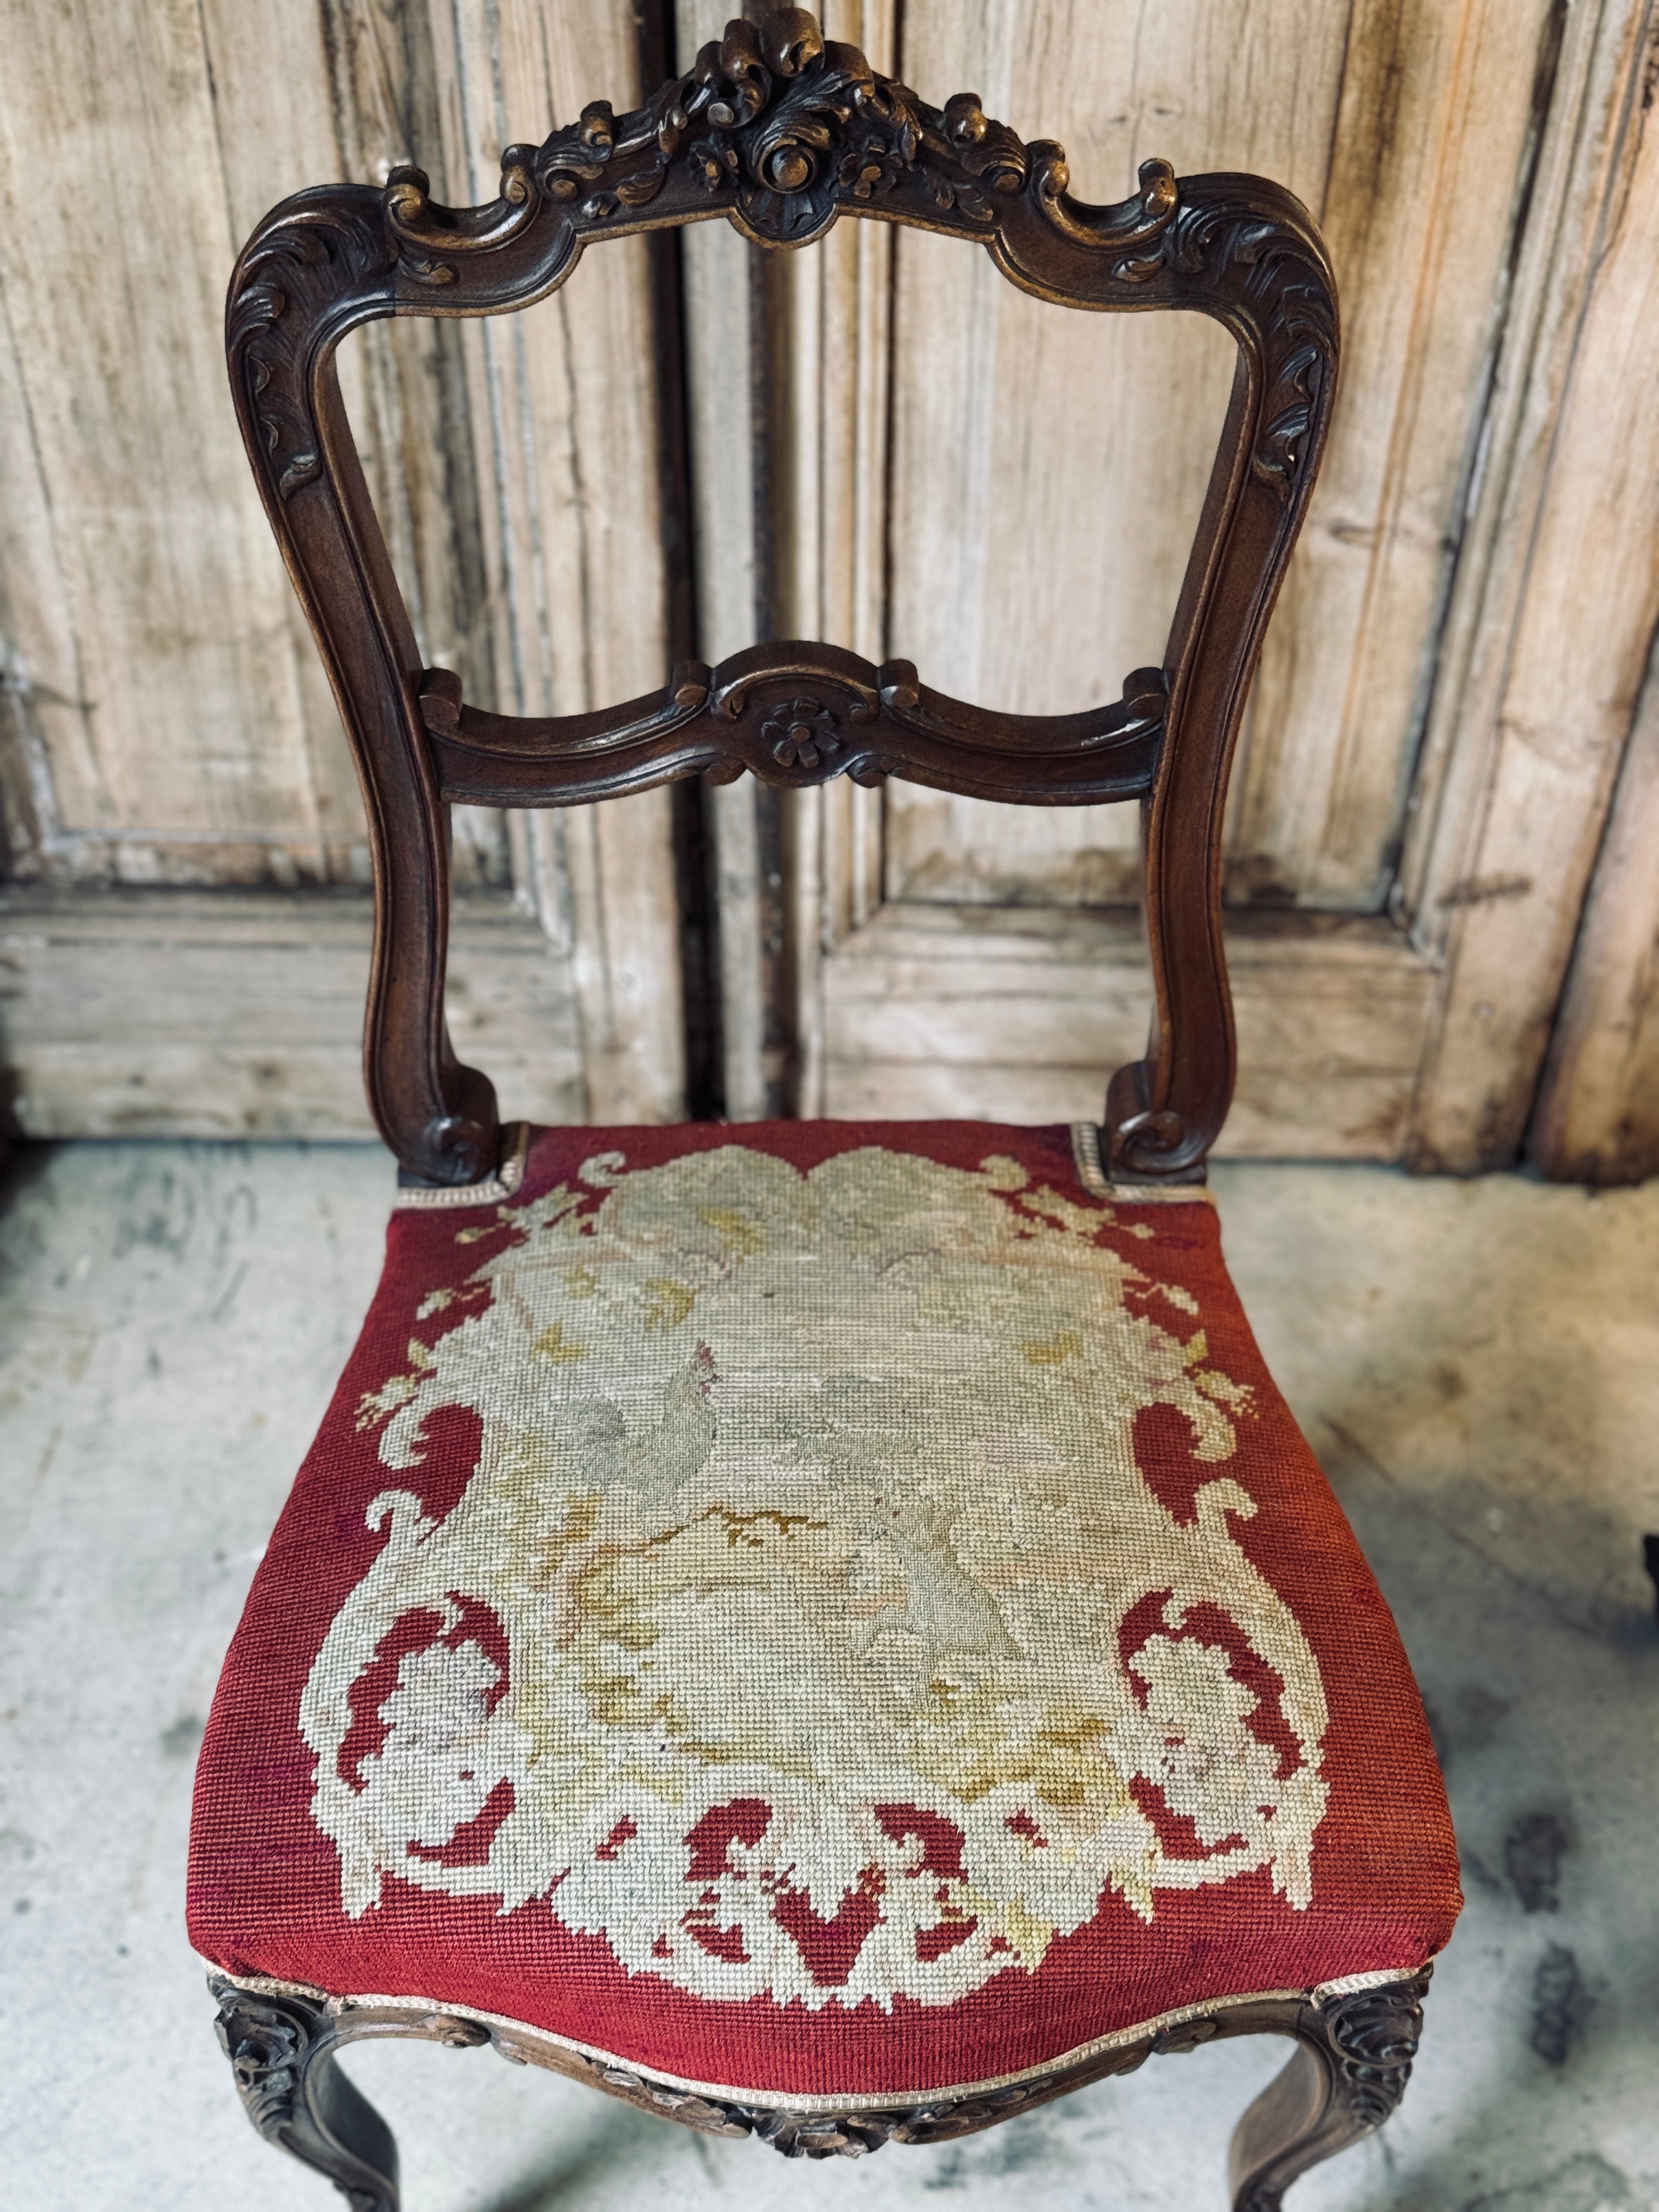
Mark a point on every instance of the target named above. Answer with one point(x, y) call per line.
point(1478, 1365)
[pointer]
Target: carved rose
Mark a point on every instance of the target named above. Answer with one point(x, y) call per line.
point(792, 119)
point(788, 148)
point(801, 732)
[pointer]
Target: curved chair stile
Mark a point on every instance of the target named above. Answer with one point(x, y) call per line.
point(783, 133)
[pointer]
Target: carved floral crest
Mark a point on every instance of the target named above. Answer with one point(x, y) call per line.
point(781, 130)
point(785, 124)
point(782, 127)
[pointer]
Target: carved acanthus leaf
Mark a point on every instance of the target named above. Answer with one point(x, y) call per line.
point(1290, 295)
point(265, 2039)
point(1373, 2037)
point(782, 129)
point(773, 120)
point(308, 271)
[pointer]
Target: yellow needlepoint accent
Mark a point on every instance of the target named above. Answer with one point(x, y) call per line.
point(503, 1220)
point(739, 1526)
point(1058, 1349)
point(670, 1302)
point(1029, 1935)
point(999, 1172)
point(733, 1227)
point(374, 1405)
point(551, 1344)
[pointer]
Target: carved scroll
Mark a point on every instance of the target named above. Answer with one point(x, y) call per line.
point(796, 715)
point(281, 2049)
point(1355, 2049)
point(1345, 2080)
point(781, 131)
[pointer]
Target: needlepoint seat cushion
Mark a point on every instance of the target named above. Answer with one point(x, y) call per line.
point(816, 1608)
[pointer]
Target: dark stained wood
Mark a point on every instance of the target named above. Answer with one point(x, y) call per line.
point(1348, 2074)
point(796, 715)
point(781, 132)
point(311, 273)
point(281, 2049)
point(1350, 2070)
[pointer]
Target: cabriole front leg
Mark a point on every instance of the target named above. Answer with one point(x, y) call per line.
point(1349, 2073)
point(281, 2051)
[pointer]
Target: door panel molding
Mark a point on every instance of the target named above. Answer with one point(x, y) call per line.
point(1017, 1014)
point(164, 716)
point(1597, 1117)
point(1553, 609)
point(1474, 578)
point(1426, 184)
point(169, 1014)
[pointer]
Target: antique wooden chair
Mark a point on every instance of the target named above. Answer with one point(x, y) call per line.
point(823, 1632)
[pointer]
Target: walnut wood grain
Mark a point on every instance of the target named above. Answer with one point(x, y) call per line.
point(781, 132)
point(1350, 2070)
point(796, 715)
point(1353, 2060)
point(281, 2049)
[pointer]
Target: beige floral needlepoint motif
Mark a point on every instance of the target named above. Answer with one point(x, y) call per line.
point(809, 1508)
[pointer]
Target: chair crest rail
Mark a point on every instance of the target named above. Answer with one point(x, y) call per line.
point(781, 132)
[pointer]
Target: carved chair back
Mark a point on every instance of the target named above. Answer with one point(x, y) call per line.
point(782, 132)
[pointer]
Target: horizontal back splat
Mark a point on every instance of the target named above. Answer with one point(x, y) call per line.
point(795, 714)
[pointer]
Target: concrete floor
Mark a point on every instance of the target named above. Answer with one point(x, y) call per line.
point(1478, 1364)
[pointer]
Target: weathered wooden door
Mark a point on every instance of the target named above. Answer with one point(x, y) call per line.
point(1004, 492)
point(184, 922)
point(1443, 895)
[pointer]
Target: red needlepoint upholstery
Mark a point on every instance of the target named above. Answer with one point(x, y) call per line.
point(819, 1608)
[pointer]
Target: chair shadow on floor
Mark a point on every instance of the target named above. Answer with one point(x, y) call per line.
point(562, 2177)
point(1108, 2145)
point(23, 1163)
point(1526, 1615)
point(580, 2154)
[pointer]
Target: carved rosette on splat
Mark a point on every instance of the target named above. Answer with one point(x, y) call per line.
point(781, 131)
